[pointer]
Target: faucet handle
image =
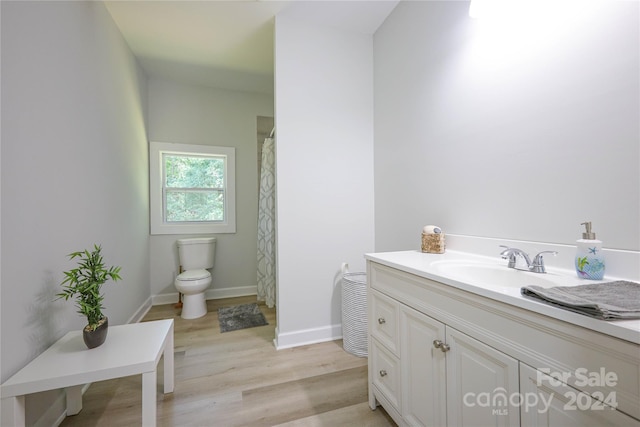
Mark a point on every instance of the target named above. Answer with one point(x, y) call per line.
point(538, 262)
point(509, 254)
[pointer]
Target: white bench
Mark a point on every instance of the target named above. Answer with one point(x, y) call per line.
point(129, 350)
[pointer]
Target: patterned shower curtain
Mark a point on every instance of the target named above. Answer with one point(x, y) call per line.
point(266, 226)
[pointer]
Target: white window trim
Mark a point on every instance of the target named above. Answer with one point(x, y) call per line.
point(158, 226)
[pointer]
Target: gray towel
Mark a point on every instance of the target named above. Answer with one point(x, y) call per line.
point(608, 301)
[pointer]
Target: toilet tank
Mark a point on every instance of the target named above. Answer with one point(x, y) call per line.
point(197, 253)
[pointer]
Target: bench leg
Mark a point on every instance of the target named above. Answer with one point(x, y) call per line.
point(149, 386)
point(13, 411)
point(168, 363)
point(74, 399)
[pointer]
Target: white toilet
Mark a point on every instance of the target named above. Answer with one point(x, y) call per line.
point(196, 256)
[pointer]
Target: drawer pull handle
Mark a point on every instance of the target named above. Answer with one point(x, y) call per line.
point(442, 346)
point(383, 373)
point(381, 320)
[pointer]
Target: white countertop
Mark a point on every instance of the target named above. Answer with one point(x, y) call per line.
point(426, 265)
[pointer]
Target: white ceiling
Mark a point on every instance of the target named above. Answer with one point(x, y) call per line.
point(229, 43)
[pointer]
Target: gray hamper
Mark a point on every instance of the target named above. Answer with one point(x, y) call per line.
point(354, 313)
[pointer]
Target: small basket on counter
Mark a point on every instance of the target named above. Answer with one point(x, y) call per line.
point(432, 240)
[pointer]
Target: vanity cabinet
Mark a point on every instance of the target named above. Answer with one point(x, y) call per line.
point(445, 373)
point(441, 356)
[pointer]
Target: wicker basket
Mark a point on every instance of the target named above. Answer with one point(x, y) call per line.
point(354, 313)
point(433, 243)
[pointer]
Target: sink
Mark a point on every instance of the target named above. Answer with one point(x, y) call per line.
point(490, 274)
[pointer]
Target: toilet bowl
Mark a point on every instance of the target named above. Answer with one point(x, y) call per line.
point(192, 284)
point(196, 257)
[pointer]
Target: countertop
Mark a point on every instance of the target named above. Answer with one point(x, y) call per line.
point(425, 265)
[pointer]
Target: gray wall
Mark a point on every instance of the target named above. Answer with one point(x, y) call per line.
point(507, 128)
point(74, 171)
point(188, 114)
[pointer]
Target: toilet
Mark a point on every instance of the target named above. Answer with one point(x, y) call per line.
point(196, 256)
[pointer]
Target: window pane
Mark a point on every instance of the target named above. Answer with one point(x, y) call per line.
point(175, 205)
point(194, 172)
point(194, 206)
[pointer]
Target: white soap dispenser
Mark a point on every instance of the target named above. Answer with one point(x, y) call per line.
point(589, 256)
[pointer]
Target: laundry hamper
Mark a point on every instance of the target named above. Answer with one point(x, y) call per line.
point(354, 313)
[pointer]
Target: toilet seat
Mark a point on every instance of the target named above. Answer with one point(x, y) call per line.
point(193, 275)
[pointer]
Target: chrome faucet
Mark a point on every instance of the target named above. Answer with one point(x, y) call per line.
point(512, 254)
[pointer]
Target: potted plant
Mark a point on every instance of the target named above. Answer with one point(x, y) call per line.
point(84, 282)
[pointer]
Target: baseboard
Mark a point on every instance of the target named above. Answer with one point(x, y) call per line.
point(57, 412)
point(231, 292)
point(241, 291)
point(307, 336)
point(141, 312)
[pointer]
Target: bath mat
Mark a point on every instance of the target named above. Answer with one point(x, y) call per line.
point(241, 316)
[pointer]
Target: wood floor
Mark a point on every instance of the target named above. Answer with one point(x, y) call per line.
point(239, 379)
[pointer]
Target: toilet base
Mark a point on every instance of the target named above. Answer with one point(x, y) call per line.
point(193, 306)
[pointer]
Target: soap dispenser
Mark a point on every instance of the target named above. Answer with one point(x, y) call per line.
point(589, 256)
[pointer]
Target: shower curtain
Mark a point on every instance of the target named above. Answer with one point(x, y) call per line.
point(266, 226)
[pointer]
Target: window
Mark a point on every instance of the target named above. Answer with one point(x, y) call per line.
point(192, 189)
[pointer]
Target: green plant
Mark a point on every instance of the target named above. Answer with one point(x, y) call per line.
point(582, 262)
point(85, 281)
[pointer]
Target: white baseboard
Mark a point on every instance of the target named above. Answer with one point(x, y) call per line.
point(307, 336)
point(241, 291)
point(140, 313)
point(57, 412)
point(231, 292)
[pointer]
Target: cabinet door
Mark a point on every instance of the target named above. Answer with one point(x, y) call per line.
point(423, 369)
point(549, 403)
point(480, 382)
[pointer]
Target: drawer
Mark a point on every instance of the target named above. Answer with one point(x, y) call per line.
point(385, 320)
point(385, 373)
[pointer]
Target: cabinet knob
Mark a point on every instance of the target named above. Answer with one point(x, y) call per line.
point(442, 346)
point(383, 373)
point(381, 320)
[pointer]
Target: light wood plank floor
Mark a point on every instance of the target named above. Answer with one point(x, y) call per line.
point(239, 379)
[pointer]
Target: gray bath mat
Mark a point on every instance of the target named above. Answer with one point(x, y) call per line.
point(240, 317)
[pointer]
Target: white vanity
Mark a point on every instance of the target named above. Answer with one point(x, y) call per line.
point(452, 342)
